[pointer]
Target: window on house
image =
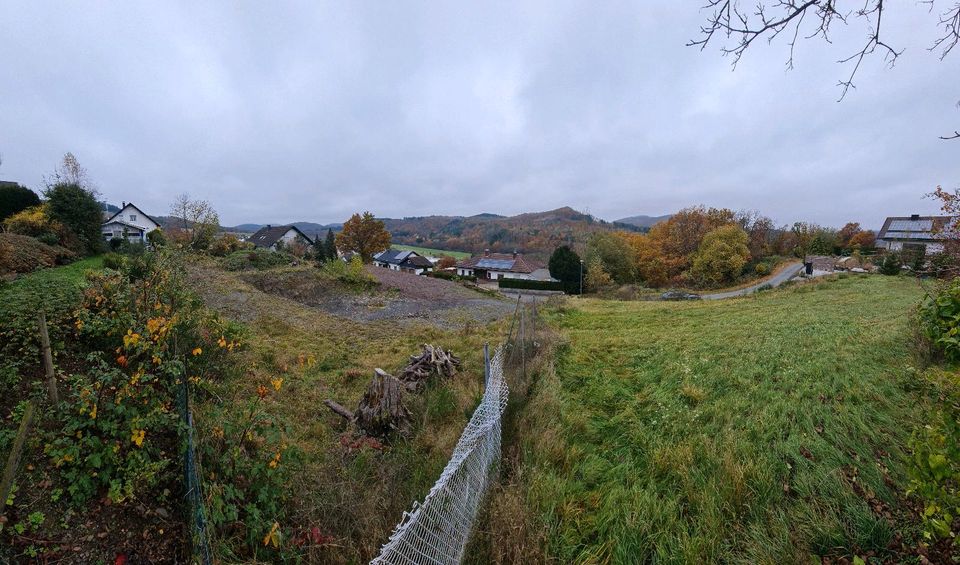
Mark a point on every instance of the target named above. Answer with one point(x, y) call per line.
point(133, 217)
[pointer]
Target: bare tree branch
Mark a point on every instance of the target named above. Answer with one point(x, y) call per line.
point(769, 18)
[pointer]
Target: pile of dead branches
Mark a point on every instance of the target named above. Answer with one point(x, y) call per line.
point(381, 411)
point(432, 361)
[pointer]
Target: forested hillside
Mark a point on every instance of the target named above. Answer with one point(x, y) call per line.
point(537, 233)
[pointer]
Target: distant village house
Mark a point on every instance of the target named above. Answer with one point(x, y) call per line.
point(405, 261)
point(274, 237)
point(494, 266)
point(913, 233)
point(130, 223)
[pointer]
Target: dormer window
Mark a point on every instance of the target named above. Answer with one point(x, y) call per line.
point(133, 217)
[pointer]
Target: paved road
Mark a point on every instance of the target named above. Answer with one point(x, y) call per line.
point(782, 276)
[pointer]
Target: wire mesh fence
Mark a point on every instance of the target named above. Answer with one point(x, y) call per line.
point(437, 530)
point(196, 520)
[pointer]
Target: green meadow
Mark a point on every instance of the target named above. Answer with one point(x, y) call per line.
point(767, 429)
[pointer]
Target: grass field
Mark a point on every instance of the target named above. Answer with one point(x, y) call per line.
point(427, 251)
point(768, 429)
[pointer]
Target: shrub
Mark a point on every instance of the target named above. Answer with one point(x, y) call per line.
point(113, 261)
point(890, 265)
point(157, 238)
point(935, 472)
point(529, 284)
point(22, 254)
point(224, 245)
point(351, 272)
point(148, 339)
point(36, 222)
point(259, 259)
point(448, 276)
point(939, 319)
point(762, 269)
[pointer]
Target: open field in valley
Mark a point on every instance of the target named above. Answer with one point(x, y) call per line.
point(767, 429)
point(430, 252)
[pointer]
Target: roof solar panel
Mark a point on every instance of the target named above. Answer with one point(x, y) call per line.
point(495, 264)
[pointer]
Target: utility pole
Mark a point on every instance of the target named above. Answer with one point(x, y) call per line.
point(581, 277)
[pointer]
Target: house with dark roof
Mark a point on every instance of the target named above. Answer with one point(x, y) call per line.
point(130, 223)
point(914, 233)
point(494, 266)
point(273, 237)
point(401, 260)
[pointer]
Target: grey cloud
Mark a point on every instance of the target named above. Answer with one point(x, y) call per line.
point(312, 111)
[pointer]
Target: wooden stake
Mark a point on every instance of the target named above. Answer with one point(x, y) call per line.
point(13, 460)
point(48, 359)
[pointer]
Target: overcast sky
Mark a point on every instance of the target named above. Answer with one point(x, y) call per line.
point(280, 112)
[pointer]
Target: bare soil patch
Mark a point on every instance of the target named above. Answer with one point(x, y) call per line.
point(399, 297)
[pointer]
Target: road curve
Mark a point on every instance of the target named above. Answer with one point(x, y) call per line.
point(780, 277)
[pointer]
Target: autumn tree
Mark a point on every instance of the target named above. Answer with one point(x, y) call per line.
point(597, 278)
point(445, 262)
point(846, 233)
point(613, 252)
point(760, 232)
point(14, 198)
point(566, 267)
point(364, 234)
point(721, 257)
point(196, 222)
point(863, 240)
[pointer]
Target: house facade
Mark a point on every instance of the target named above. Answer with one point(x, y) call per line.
point(406, 261)
point(494, 266)
point(916, 232)
point(130, 223)
point(273, 237)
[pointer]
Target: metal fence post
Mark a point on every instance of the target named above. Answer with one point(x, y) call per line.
point(486, 365)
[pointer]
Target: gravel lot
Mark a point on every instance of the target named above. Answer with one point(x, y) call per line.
point(400, 297)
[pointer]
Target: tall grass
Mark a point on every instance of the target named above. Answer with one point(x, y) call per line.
point(765, 429)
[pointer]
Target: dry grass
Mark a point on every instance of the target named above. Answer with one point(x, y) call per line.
point(356, 495)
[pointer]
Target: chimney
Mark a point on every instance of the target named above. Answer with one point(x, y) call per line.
point(515, 254)
point(269, 226)
point(914, 217)
point(123, 204)
point(486, 252)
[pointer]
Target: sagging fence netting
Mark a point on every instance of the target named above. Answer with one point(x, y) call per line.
point(437, 530)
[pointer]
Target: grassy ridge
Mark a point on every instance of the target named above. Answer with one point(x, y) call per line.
point(751, 430)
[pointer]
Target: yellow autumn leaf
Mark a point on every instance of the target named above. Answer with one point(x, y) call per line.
point(273, 536)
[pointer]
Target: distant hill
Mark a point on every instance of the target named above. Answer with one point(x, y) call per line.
point(309, 228)
point(643, 221)
point(537, 233)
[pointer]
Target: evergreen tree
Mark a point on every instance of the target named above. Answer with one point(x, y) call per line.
point(331, 244)
point(320, 250)
point(565, 267)
point(14, 198)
